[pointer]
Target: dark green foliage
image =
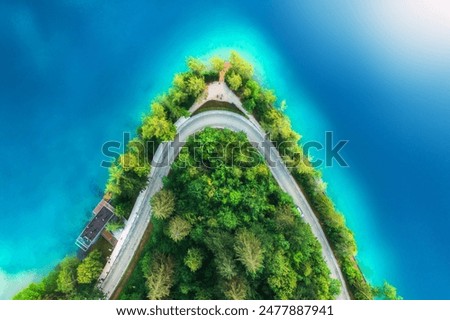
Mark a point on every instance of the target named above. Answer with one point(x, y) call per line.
point(241, 239)
point(114, 225)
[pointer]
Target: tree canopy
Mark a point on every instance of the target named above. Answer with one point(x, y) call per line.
point(157, 126)
point(196, 66)
point(241, 66)
point(90, 268)
point(163, 204)
point(234, 234)
point(160, 279)
point(234, 80)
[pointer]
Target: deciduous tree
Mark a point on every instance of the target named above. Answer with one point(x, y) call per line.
point(90, 268)
point(193, 259)
point(195, 86)
point(234, 81)
point(240, 66)
point(217, 63)
point(237, 289)
point(160, 279)
point(386, 292)
point(179, 228)
point(249, 251)
point(157, 126)
point(196, 66)
point(163, 204)
point(66, 280)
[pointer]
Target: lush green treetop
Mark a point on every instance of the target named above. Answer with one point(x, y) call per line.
point(217, 64)
point(90, 268)
point(196, 66)
point(234, 234)
point(241, 66)
point(163, 204)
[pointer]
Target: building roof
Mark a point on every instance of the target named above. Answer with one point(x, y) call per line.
point(103, 212)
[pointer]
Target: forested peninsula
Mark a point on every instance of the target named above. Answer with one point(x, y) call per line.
point(221, 228)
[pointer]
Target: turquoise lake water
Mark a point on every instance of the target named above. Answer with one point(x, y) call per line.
point(76, 74)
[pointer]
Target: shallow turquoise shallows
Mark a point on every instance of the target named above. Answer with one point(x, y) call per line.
point(74, 75)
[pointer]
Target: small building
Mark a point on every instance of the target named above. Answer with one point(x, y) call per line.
point(103, 213)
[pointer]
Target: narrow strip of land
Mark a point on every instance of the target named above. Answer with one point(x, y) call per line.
point(164, 157)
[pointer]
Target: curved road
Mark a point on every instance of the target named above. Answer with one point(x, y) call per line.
point(164, 157)
point(235, 122)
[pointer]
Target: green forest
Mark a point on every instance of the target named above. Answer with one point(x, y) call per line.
point(223, 229)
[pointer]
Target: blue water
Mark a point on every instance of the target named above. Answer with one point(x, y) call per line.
point(74, 74)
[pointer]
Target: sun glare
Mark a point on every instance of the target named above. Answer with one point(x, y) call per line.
point(415, 28)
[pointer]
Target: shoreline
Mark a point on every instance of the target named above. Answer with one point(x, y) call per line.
point(213, 93)
point(262, 113)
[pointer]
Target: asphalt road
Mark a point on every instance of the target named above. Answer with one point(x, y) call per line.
point(165, 156)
